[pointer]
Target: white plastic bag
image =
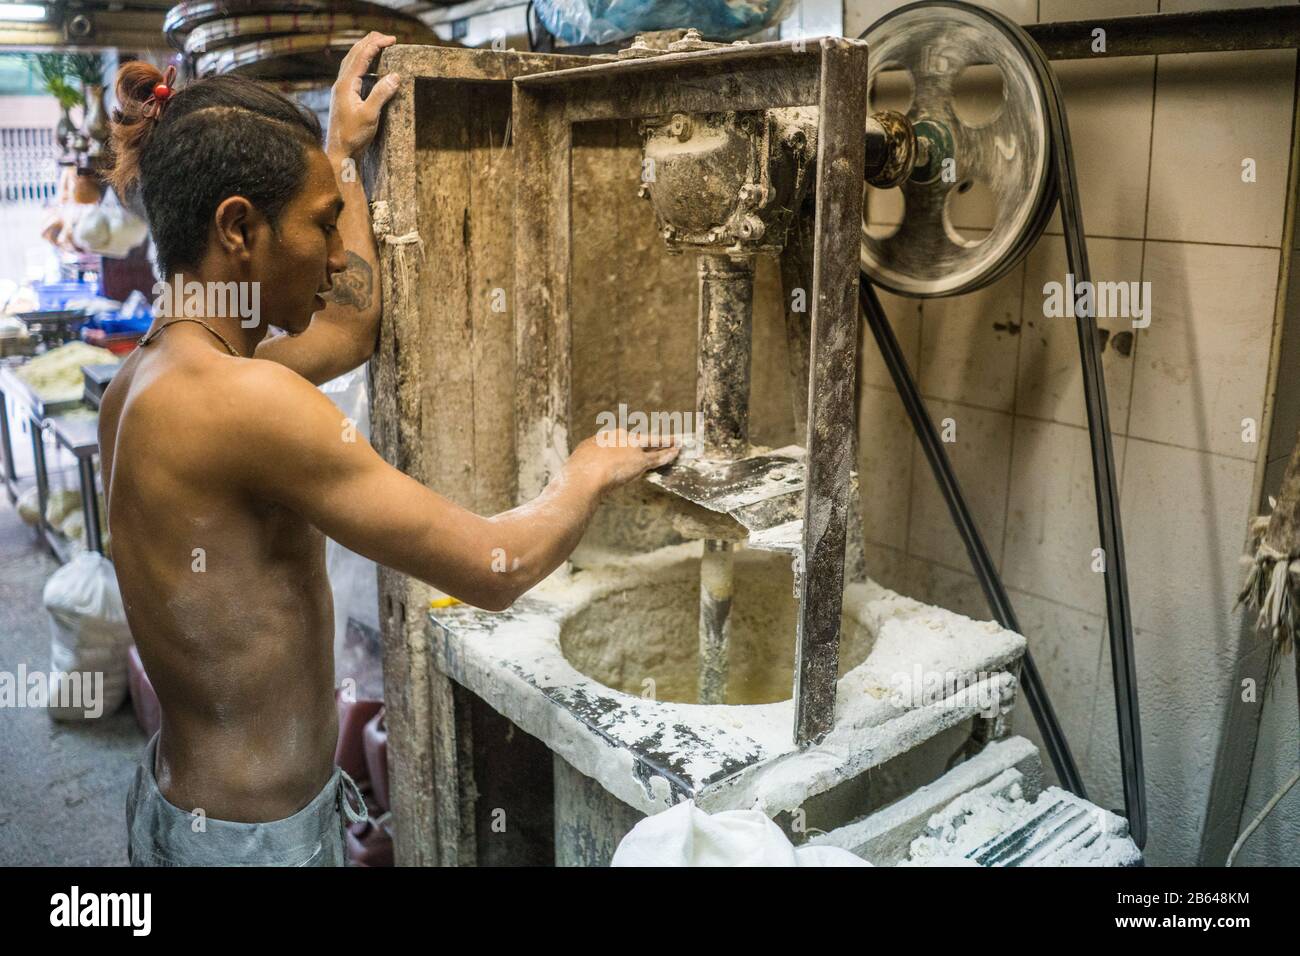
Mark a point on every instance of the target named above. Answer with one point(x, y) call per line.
point(354, 579)
point(29, 505)
point(61, 503)
point(687, 836)
point(89, 639)
point(109, 228)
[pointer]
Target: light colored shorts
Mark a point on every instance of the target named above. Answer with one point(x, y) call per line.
point(162, 834)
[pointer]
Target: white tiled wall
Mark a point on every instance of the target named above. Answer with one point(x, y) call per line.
point(1203, 366)
point(1049, 384)
point(1200, 142)
point(1159, 146)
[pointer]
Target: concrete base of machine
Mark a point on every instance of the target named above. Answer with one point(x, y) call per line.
point(1036, 827)
point(885, 837)
point(913, 678)
point(991, 811)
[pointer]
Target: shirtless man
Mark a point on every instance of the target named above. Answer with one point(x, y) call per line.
point(225, 468)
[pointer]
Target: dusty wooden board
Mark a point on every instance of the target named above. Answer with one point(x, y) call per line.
point(699, 82)
point(842, 92)
point(796, 289)
point(451, 64)
point(543, 246)
point(447, 119)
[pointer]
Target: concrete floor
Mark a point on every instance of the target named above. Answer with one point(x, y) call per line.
point(62, 785)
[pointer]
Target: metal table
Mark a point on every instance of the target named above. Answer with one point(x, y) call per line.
point(79, 435)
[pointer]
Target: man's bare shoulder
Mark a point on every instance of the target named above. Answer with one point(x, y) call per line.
point(225, 413)
point(266, 409)
point(193, 389)
point(260, 387)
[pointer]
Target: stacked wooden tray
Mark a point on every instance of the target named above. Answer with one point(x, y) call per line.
point(297, 44)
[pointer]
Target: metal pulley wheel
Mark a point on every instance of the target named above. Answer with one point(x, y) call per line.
point(1010, 153)
point(1023, 152)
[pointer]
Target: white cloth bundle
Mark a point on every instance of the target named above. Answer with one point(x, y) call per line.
point(687, 836)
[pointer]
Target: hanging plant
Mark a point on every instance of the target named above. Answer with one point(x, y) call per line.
point(57, 76)
point(88, 68)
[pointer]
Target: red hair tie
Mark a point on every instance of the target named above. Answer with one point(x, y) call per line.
point(161, 93)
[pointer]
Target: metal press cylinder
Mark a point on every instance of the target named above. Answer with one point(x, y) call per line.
point(717, 584)
point(722, 383)
point(722, 396)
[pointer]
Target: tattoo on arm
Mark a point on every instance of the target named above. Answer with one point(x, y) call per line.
point(354, 286)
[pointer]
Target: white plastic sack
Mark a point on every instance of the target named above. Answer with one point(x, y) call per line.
point(687, 836)
point(29, 505)
point(109, 228)
point(354, 579)
point(73, 527)
point(89, 639)
point(61, 503)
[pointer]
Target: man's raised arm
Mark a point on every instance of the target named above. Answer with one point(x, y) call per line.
point(294, 446)
point(343, 334)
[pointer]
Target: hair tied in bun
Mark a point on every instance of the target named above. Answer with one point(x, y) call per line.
point(162, 92)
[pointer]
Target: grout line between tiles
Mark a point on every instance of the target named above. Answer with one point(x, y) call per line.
point(1096, 683)
point(1171, 242)
point(1015, 401)
point(1146, 218)
point(1056, 421)
point(1011, 589)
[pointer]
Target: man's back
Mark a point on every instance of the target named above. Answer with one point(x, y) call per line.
point(226, 591)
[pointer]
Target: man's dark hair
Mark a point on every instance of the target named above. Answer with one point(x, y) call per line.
point(218, 137)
